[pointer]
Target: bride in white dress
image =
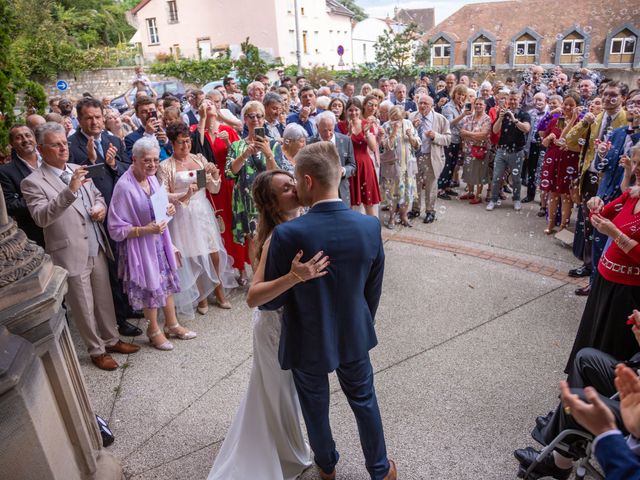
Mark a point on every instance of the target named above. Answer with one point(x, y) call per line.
point(265, 440)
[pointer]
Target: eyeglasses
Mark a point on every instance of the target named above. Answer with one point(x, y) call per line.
point(254, 116)
point(182, 142)
point(631, 103)
point(151, 162)
point(57, 146)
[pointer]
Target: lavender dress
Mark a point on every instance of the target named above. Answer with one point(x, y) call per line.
point(146, 264)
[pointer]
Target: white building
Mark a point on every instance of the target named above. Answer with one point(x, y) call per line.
point(365, 35)
point(203, 28)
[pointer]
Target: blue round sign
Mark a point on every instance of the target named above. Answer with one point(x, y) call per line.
point(62, 85)
point(340, 50)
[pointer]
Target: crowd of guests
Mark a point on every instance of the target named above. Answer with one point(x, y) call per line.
point(87, 183)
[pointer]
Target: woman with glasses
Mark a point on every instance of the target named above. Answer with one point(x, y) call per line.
point(146, 260)
point(246, 158)
point(212, 139)
point(205, 267)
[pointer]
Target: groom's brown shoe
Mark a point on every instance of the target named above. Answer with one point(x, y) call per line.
point(393, 471)
point(327, 476)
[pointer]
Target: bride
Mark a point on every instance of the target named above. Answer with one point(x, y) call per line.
point(265, 439)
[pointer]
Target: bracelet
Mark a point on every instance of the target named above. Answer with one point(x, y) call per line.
point(297, 276)
point(622, 242)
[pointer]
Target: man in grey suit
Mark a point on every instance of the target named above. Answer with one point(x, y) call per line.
point(70, 210)
point(326, 124)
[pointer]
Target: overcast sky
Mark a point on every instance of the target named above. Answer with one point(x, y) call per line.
point(443, 8)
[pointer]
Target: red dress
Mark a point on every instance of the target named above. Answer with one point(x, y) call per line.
point(560, 167)
point(363, 184)
point(216, 152)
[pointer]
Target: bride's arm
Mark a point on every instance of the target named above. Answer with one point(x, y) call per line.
point(261, 292)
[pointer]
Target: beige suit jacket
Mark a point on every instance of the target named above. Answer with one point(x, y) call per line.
point(442, 139)
point(59, 213)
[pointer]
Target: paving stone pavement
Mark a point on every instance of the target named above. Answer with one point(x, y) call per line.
point(476, 321)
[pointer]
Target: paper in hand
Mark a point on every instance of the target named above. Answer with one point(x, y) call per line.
point(160, 202)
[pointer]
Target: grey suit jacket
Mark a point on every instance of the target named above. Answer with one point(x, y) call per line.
point(347, 160)
point(61, 215)
point(442, 139)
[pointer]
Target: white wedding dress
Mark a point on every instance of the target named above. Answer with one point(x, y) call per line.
point(265, 440)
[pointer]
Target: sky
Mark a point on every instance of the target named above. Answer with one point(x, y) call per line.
point(443, 8)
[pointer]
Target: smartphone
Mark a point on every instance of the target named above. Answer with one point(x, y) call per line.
point(259, 132)
point(467, 106)
point(154, 114)
point(493, 68)
point(501, 102)
point(94, 171)
point(201, 178)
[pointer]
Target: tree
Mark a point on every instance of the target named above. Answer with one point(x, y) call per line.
point(395, 51)
point(356, 9)
point(250, 63)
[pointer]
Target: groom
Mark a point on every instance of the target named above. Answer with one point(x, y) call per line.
point(328, 322)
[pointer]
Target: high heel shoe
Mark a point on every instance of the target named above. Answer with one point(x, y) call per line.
point(170, 331)
point(224, 305)
point(165, 346)
point(203, 309)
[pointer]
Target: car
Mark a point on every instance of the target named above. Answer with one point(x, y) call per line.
point(216, 83)
point(174, 87)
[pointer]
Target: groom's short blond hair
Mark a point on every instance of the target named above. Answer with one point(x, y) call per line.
point(321, 162)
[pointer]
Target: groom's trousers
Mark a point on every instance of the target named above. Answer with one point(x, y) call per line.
point(356, 380)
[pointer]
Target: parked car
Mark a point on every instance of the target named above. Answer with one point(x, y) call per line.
point(216, 83)
point(173, 87)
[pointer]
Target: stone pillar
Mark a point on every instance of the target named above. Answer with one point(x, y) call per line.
point(45, 404)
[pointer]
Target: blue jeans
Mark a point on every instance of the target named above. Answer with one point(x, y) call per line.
point(356, 380)
point(512, 161)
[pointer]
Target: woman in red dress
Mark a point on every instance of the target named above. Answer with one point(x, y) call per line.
point(212, 139)
point(560, 166)
point(363, 184)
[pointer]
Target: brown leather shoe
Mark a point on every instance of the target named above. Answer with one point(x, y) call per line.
point(104, 362)
point(122, 347)
point(393, 471)
point(327, 476)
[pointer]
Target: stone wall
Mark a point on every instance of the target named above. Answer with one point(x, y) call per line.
point(109, 82)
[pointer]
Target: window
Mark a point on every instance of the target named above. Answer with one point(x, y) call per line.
point(173, 11)
point(301, 10)
point(525, 48)
point(482, 49)
point(442, 51)
point(623, 45)
point(154, 39)
point(204, 48)
point(304, 42)
point(572, 47)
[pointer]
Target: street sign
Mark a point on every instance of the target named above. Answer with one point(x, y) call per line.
point(340, 50)
point(62, 85)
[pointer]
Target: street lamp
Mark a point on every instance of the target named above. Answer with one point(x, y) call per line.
point(299, 61)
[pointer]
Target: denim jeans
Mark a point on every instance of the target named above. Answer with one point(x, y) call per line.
point(504, 160)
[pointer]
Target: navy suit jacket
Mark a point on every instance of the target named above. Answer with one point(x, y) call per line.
point(617, 459)
point(106, 182)
point(609, 187)
point(11, 175)
point(409, 106)
point(328, 321)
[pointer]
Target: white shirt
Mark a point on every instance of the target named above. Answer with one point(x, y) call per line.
point(38, 162)
point(326, 201)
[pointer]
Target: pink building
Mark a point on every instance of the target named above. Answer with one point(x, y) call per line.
point(205, 28)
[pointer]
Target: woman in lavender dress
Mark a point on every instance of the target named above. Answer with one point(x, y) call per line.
point(147, 263)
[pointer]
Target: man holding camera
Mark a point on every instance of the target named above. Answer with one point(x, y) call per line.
point(151, 127)
point(513, 125)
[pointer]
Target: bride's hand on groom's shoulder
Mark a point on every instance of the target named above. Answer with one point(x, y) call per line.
point(315, 267)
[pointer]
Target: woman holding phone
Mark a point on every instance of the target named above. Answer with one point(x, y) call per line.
point(246, 158)
point(205, 267)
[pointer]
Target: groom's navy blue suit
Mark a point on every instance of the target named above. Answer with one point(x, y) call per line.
point(328, 323)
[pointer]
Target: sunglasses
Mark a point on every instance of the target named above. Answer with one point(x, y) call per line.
point(253, 116)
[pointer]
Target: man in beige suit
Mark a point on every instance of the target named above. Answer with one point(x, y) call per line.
point(70, 209)
point(435, 134)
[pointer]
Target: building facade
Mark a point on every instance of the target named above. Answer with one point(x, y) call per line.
point(518, 33)
point(204, 29)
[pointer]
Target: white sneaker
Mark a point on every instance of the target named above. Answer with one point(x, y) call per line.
point(517, 205)
point(491, 205)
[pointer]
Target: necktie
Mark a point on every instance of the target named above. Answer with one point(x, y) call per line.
point(98, 144)
point(65, 177)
